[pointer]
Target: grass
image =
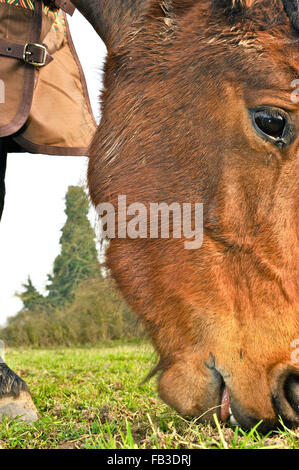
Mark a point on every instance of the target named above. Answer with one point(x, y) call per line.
point(91, 398)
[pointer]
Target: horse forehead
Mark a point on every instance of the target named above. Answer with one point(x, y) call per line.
point(266, 61)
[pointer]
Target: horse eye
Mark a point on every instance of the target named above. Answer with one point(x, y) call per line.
point(273, 124)
point(269, 124)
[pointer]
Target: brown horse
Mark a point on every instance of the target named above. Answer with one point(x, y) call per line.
point(199, 107)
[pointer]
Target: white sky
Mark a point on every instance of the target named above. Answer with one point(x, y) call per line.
point(36, 186)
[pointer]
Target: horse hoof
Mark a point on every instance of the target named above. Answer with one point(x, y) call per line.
point(21, 408)
point(15, 398)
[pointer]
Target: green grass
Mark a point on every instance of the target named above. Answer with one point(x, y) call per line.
point(91, 398)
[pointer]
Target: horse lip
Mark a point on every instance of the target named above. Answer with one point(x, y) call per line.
point(226, 414)
point(229, 408)
point(224, 411)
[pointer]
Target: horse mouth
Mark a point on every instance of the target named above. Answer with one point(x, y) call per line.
point(226, 414)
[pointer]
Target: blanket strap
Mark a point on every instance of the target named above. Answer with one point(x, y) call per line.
point(32, 53)
point(65, 5)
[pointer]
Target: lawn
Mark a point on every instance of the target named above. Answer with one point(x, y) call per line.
point(91, 398)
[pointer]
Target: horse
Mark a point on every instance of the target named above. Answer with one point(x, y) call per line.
point(200, 107)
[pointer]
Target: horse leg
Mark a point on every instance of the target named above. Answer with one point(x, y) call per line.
point(3, 157)
point(15, 398)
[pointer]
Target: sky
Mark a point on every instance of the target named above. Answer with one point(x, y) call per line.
point(36, 186)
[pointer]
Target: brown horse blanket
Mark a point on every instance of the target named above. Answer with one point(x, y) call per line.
point(44, 103)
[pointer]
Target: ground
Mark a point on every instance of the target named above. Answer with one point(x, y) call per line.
point(91, 398)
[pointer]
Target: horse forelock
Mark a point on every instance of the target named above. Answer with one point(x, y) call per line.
point(257, 24)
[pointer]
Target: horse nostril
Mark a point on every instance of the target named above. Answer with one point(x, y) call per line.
point(291, 389)
point(284, 382)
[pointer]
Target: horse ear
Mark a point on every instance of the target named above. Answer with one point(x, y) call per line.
point(91, 11)
point(111, 18)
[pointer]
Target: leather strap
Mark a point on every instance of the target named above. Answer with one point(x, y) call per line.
point(31, 53)
point(65, 5)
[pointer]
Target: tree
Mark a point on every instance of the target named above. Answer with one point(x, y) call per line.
point(81, 306)
point(78, 259)
point(31, 298)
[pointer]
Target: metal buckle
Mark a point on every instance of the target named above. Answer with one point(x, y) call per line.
point(27, 53)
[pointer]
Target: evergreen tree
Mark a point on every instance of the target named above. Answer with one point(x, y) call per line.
point(31, 298)
point(78, 259)
point(81, 306)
